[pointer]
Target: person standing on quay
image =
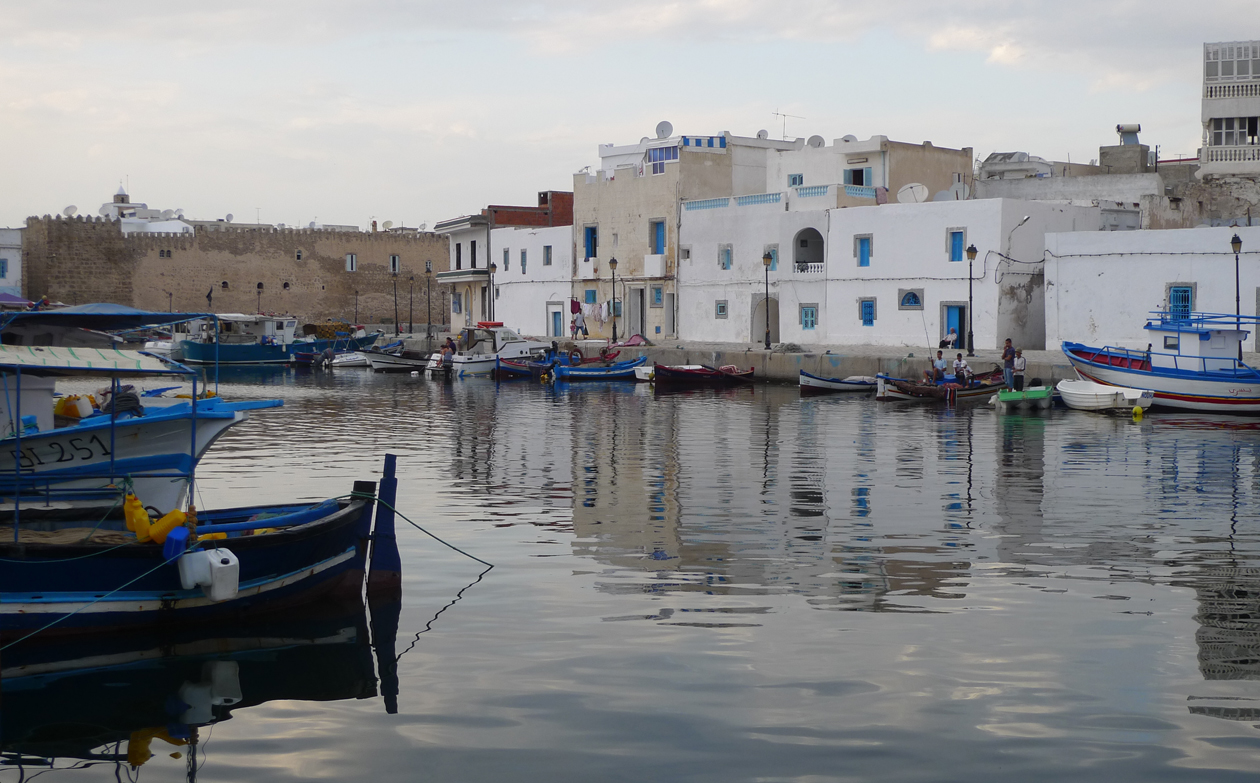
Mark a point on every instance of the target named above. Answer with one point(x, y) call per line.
point(1008, 364)
point(579, 325)
point(1017, 367)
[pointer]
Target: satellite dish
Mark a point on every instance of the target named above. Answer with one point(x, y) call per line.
point(848, 138)
point(644, 140)
point(387, 225)
point(279, 225)
point(664, 129)
point(817, 142)
point(167, 214)
point(914, 193)
point(179, 213)
point(311, 225)
point(423, 226)
point(70, 211)
point(229, 217)
point(104, 210)
point(943, 195)
point(960, 191)
point(763, 134)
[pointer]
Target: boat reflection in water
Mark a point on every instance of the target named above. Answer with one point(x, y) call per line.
point(123, 698)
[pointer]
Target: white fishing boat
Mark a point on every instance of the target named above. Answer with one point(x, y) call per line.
point(1192, 362)
point(385, 362)
point(1089, 396)
point(479, 345)
point(816, 384)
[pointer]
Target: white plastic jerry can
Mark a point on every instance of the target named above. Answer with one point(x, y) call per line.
point(216, 571)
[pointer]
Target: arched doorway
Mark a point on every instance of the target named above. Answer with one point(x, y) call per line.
point(807, 250)
point(759, 320)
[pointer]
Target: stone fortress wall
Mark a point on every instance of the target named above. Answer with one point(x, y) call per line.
point(302, 271)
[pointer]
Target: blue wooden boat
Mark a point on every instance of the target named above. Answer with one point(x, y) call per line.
point(617, 371)
point(235, 338)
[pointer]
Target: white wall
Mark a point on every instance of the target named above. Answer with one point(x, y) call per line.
point(910, 251)
point(524, 298)
point(1101, 286)
point(11, 251)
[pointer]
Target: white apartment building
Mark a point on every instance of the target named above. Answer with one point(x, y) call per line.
point(893, 274)
point(533, 273)
point(1231, 109)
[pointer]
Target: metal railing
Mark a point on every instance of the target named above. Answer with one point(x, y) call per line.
point(812, 191)
point(707, 203)
point(859, 191)
point(758, 198)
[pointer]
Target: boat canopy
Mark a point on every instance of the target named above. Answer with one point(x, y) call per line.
point(41, 360)
point(102, 317)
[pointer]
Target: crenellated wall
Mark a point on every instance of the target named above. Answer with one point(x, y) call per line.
point(77, 260)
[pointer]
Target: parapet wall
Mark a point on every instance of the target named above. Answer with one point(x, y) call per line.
point(302, 272)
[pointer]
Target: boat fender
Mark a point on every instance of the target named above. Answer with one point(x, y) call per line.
point(216, 571)
point(575, 357)
point(1137, 413)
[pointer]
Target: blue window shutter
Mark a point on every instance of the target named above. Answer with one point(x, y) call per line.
point(956, 246)
point(864, 251)
point(848, 176)
point(866, 178)
point(1180, 301)
point(774, 260)
point(868, 313)
point(590, 296)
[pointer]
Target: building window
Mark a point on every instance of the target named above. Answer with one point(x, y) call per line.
point(591, 237)
point(4, 268)
point(590, 296)
point(546, 255)
point(658, 296)
point(1180, 300)
point(910, 300)
point(472, 254)
point(656, 236)
point(459, 255)
point(352, 262)
point(507, 259)
point(860, 176)
point(684, 253)
point(863, 249)
point(395, 264)
point(298, 255)
point(809, 316)
point(796, 180)
point(455, 303)
point(773, 250)
point(617, 308)
point(724, 256)
point(524, 258)
point(657, 156)
point(719, 310)
point(286, 286)
point(866, 310)
point(955, 241)
point(224, 285)
point(496, 292)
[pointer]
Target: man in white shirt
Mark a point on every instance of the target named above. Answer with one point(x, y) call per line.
point(962, 371)
point(1018, 366)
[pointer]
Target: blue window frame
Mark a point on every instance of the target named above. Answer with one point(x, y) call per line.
point(507, 256)
point(591, 235)
point(864, 251)
point(868, 312)
point(955, 246)
point(809, 317)
point(455, 303)
point(658, 296)
point(546, 255)
point(796, 180)
point(657, 156)
point(590, 296)
point(524, 258)
point(1180, 301)
point(911, 299)
point(617, 308)
point(774, 259)
point(724, 257)
point(4, 267)
point(656, 235)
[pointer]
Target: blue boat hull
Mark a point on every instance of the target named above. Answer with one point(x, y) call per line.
point(88, 586)
point(257, 353)
point(617, 372)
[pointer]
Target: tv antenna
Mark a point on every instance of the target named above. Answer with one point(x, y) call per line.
point(785, 117)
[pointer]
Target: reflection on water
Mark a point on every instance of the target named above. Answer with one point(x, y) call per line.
point(741, 584)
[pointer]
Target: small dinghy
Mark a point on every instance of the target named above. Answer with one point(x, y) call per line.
point(1090, 396)
point(816, 384)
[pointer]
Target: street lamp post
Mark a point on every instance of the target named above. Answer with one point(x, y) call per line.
point(612, 264)
point(493, 268)
point(971, 304)
point(428, 293)
point(766, 261)
point(1236, 244)
point(260, 289)
point(411, 299)
point(397, 327)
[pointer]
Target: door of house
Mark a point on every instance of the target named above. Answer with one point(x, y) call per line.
point(557, 323)
point(669, 314)
point(956, 319)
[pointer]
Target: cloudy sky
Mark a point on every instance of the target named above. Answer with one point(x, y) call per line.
point(418, 111)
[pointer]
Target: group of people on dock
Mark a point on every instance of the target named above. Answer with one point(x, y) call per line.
point(1013, 366)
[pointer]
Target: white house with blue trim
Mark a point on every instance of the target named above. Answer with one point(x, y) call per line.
point(11, 261)
point(533, 272)
point(892, 274)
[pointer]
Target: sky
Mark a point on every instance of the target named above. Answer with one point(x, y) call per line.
point(292, 112)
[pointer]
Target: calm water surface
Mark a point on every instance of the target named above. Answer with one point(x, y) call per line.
point(749, 586)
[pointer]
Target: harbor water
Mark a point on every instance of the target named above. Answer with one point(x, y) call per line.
point(736, 585)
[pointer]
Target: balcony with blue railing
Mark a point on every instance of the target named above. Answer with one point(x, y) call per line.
point(758, 198)
point(812, 191)
point(859, 191)
point(707, 203)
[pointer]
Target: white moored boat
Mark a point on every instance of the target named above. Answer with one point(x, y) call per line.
point(479, 345)
point(407, 360)
point(811, 384)
point(1090, 396)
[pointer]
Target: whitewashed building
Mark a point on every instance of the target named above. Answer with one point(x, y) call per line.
point(532, 278)
point(1100, 287)
point(893, 274)
point(1231, 110)
point(11, 261)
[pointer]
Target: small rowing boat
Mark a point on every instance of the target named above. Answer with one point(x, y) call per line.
point(1090, 396)
point(816, 384)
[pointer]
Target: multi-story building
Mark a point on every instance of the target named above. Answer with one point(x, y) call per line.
point(532, 278)
point(11, 261)
point(1231, 109)
point(474, 256)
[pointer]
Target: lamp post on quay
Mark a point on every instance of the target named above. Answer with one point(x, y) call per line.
point(397, 326)
point(493, 268)
point(612, 264)
point(428, 294)
point(766, 261)
point(971, 338)
point(1236, 244)
point(411, 302)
